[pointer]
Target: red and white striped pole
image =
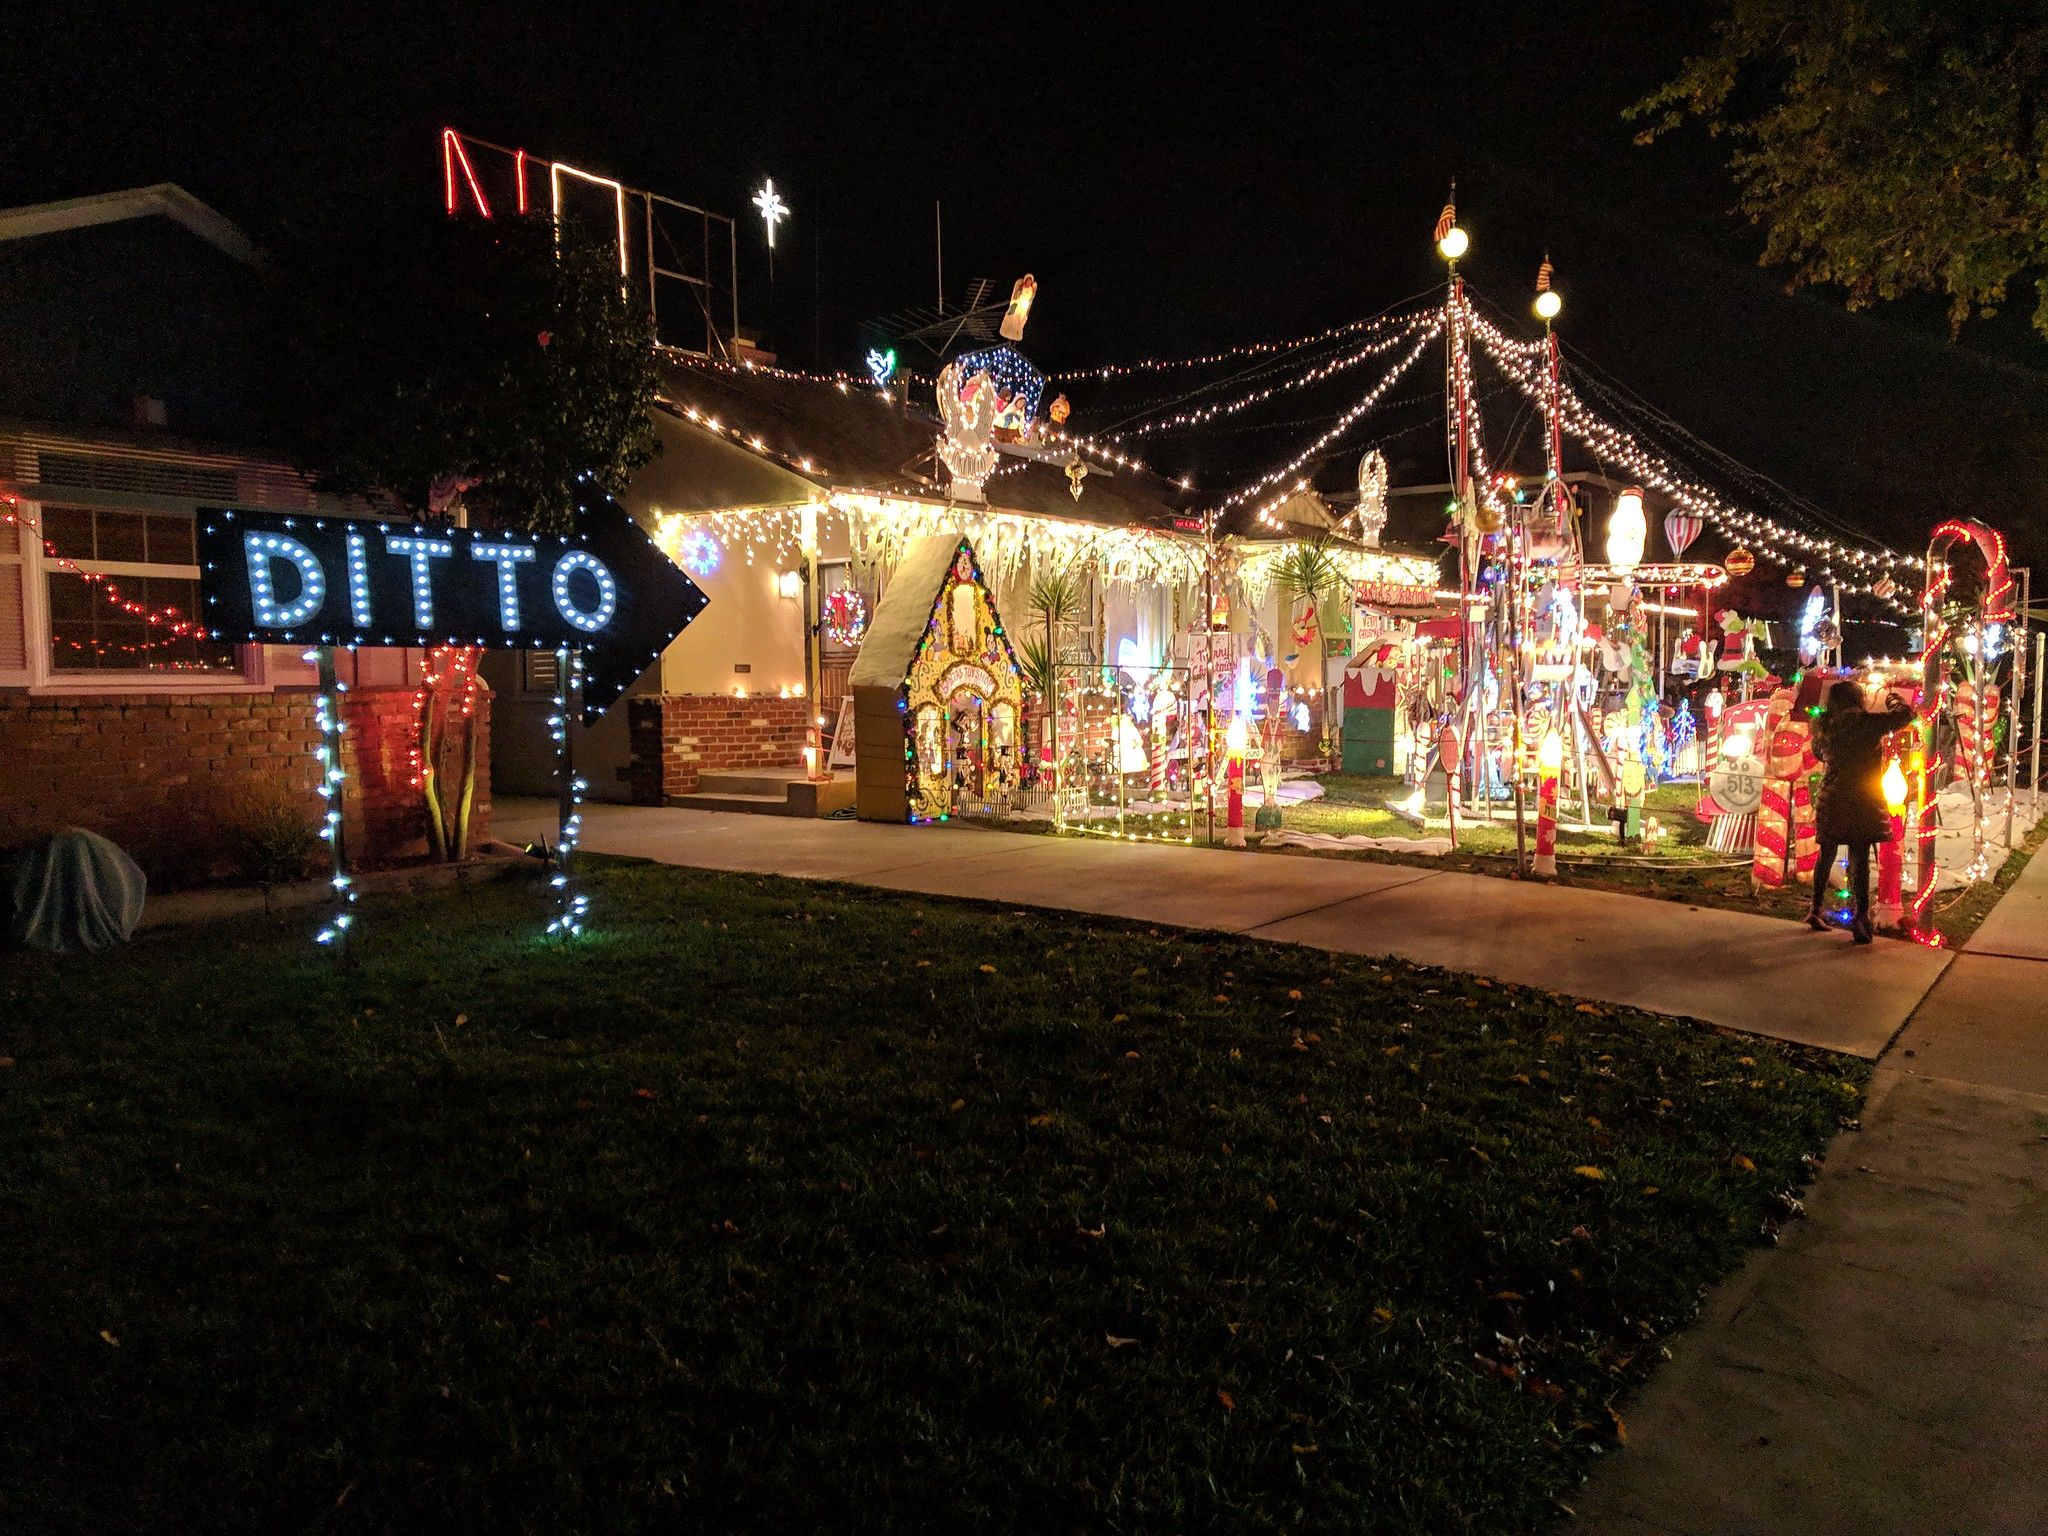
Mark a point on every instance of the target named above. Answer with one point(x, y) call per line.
point(1451, 755)
point(1549, 760)
point(1235, 742)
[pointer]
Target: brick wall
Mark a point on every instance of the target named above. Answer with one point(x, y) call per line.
point(168, 775)
point(675, 736)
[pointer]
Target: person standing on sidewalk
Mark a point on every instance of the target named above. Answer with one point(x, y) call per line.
point(1849, 740)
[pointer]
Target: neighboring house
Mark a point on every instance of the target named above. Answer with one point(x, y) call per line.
point(767, 476)
point(136, 393)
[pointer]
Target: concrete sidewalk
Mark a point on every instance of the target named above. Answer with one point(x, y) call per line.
point(1886, 1367)
point(1746, 972)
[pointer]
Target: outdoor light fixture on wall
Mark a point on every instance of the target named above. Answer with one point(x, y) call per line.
point(790, 584)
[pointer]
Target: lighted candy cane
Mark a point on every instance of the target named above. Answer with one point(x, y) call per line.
point(1994, 606)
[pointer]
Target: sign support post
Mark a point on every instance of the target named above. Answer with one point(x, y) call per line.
point(604, 598)
point(333, 823)
point(569, 906)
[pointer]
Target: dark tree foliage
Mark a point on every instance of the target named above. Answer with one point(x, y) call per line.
point(1889, 146)
point(466, 350)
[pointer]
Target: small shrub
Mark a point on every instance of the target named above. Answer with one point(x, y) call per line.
point(273, 833)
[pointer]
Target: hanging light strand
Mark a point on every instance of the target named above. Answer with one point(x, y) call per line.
point(1867, 568)
point(1343, 424)
point(1316, 374)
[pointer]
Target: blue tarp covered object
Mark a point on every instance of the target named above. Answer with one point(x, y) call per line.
point(73, 891)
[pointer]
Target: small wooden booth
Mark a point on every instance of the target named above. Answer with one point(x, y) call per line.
point(937, 694)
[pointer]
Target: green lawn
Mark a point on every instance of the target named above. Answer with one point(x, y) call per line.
point(783, 1207)
point(1681, 867)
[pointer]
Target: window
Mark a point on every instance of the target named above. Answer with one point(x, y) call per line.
point(124, 593)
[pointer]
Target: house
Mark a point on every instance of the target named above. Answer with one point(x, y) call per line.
point(791, 499)
point(136, 394)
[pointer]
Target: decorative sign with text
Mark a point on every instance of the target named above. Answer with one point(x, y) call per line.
point(281, 579)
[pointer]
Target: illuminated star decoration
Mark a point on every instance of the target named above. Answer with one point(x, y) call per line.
point(773, 209)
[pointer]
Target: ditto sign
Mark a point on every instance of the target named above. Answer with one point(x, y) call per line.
point(270, 577)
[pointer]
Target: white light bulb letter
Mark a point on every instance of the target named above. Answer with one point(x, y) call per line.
point(589, 621)
point(508, 558)
point(266, 611)
point(420, 551)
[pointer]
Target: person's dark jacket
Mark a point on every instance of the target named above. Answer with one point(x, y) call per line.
point(1851, 743)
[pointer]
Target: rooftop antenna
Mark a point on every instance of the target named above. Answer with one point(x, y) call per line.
point(939, 235)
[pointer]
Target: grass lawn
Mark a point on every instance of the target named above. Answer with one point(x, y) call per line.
point(784, 1207)
point(1681, 868)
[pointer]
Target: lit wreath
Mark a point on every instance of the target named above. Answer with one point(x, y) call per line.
point(846, 616)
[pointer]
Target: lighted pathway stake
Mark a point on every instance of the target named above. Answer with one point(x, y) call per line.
point(1234, 742)
point(1549, 759)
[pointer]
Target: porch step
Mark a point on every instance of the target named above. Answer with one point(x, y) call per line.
point(758, 805)
point(769, 792)
point(748, 781)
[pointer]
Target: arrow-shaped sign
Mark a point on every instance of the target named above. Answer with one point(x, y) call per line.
point(283, 579)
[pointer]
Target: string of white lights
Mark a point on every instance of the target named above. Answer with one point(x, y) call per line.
point(1869, 570)
point(1377, 347)
point(1248, 349)
point(1343, 423)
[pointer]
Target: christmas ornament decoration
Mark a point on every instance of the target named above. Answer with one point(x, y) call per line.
point(967, 410)
point(772, 208)
point(845, 618)
point(1372, 497)
point(1740, 562)
point(1795, 578)
point(1019, 312)
point(1627, 530)
point(1680, 529)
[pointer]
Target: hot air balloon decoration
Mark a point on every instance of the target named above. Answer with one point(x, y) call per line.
point(1680, 529)
point(1740, 562)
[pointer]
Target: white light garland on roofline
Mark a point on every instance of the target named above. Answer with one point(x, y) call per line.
point(1010, 545)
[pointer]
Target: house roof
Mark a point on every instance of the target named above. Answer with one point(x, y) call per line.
point(839, 435)
point(135, 309)
point(164, 198)
point(904, 613)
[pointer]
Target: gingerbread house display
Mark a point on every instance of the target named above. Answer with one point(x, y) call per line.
point(937, 693)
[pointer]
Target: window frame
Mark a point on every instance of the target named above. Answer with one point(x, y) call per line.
point(249, 674)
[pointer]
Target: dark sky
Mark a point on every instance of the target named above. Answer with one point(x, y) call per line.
point(1177, 185)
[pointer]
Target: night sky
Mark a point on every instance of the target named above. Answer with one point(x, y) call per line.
point(1176, 186)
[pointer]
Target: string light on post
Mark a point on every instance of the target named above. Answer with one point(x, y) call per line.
point(327, 715)
point(570, 905)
